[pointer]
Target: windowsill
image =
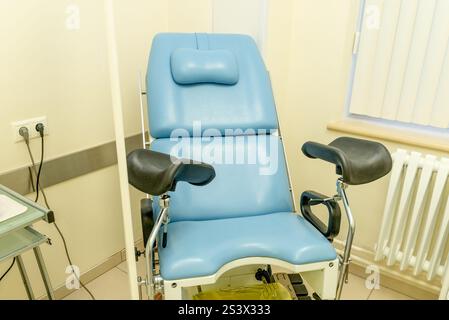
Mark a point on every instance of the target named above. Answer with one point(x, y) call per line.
point(407, 136)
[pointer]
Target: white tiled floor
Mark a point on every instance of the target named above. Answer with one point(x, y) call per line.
point(356, 290)
point(113, 285)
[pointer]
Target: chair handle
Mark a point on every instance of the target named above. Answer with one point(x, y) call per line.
point(312, 198)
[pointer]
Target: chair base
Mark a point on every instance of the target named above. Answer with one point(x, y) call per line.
point(321, 276)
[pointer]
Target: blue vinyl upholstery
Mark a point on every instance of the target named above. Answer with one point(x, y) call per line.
point(247, 210)
point(238, 189)
point(193, 66)
point(200, 248)
point(247, 104)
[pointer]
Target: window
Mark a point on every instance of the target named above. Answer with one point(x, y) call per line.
point(401, 62)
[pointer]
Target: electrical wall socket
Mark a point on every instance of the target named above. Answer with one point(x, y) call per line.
point(31, 125)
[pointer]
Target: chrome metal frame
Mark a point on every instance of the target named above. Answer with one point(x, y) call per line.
point(44, 273)
point(149, 280)
point(142, 113)
point(345, 260)
point(281, 138)
point(152, 283)
point(42, 269)
point(25, 279)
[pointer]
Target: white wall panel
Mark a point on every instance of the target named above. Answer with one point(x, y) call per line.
point(237, 16)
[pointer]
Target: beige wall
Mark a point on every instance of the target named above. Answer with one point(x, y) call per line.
point(48, 70)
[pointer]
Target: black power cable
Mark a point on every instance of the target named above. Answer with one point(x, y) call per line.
point(41, 162)
point(9, 269)
point(40, 129)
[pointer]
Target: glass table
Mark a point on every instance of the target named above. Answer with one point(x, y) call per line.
point(17, 236)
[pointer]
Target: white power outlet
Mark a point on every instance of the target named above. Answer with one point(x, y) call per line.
point(31, 125)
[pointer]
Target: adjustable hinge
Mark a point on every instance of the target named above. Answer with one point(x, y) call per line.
point(324, 200)
point(355, 45)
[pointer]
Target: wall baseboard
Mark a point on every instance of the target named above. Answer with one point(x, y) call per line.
point(61, 169)
point(402, 282)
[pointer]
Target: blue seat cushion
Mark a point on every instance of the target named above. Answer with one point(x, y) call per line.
point(201, 248)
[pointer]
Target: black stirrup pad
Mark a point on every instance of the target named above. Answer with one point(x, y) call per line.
point(156, 173)
point(358, 161)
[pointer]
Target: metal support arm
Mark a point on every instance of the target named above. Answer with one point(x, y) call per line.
point(341, 186)
point(161, 219)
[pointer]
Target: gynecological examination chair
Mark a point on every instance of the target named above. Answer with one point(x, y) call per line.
point(221, 203)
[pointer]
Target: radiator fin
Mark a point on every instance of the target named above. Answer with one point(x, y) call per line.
point(415, 225)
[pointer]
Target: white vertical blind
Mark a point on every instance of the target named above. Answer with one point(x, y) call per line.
point(402, 70)
point(241, 16)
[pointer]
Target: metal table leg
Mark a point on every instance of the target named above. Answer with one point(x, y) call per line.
point(44, 273)
point(25, 279)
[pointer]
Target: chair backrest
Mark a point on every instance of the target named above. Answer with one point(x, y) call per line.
point(210, 99)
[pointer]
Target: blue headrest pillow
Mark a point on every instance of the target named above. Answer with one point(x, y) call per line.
point(191, 66)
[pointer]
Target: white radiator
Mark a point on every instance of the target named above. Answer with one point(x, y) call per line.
point(415, 224)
